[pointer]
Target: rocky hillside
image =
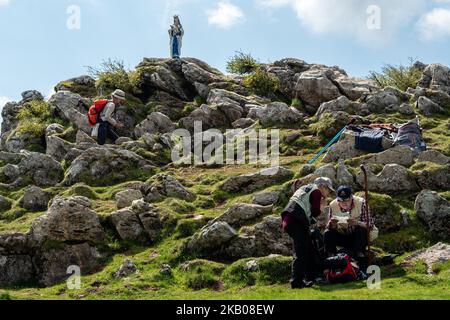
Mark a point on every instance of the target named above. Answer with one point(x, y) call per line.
point(140, 226)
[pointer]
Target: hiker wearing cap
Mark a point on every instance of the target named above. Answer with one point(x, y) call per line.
point(104, 129)
point(347, 225)
point(305, 205)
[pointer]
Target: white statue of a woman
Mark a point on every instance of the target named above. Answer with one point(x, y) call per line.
point(176, 34)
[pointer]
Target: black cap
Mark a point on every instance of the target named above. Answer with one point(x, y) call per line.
point(344, 193)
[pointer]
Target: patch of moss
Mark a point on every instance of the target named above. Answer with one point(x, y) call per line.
point(188, 227)
point(81, 190)
point(264, 271)
point(202, 274)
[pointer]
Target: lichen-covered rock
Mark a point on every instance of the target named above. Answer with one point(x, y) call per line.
point(428, 108)
point(68, 220)
point(241, 214)
point(125, 198)
point(106, 165)
point(5, 204)
point(436, 77)
point(167, 186)
point(150, 218)
point(154, 124)
point(53, 264)
point(57, 147)
point(276, 114)
point(127, 225)
point(434, 157)
point(211, 239)
point(72, 107)
point(401, 155)
point(266, 198)
point(40, 169)
point(82, 85)
point(251, 182)
point(35, 199)
point(209, 117)
point(434, 210)
point(16, 269)
point(127, 269)
point(393, 178)
point(435, 177)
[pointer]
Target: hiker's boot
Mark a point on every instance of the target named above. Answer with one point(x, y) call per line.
point(302, 284)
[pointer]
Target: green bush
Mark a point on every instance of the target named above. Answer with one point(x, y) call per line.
point(34, 118)
point(401, 77)
point(262, 83)
point(242, 63)
point(112, 75)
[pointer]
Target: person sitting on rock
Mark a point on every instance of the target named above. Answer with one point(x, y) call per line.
point(306, 204)
point(106, 122)
point(347, 225)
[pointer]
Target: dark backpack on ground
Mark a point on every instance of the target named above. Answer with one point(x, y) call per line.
point(340, 269)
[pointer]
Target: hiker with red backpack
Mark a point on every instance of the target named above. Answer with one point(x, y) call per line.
point(101, 117)
point(304, 207)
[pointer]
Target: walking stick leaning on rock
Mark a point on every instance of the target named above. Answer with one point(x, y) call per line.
point(366, 189)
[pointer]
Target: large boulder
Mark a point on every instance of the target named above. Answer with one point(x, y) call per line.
point(434, 210)
point(82, 85)
point(106, 165)
point(315, 87)
point(68, 220)
point(436, 77)
point(16, 261)
point(35, 199)
point(57, 147)
point(126, 197)
point(5, 204)
point(154, 124)
point(39, 169)
point(434, 177)
point(392, 179)
point(166, 186)
point(263, 239)
point(72, 108)
point(266, 198)
point(211, 239)
point(241, 214)
point(208, 116)
point(428, 108)
point(276, 114)
point(249, 183)
point(434, 157)
point(54, 264)
point(401, 155)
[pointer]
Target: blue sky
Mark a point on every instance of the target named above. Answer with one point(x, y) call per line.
point(38, 49)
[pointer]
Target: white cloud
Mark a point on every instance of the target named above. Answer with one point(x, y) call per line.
point(225, 15)
point(435, 24)
point(4, 3)
point(350, 17)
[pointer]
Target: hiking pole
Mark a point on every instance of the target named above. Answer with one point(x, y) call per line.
point(333, 141)
point(366, 189)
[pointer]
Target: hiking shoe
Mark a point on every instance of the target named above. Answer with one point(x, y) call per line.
point(302, 285)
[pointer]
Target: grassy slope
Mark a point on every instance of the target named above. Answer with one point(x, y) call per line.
point(398, 283)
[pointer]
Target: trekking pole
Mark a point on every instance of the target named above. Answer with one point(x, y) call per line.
point(366, 189)
point(333, 141)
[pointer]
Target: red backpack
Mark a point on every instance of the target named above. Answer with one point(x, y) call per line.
point(340, 269)
point(95, 110)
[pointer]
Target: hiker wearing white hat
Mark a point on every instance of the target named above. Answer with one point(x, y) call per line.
point(104, 129)
point(304, 207)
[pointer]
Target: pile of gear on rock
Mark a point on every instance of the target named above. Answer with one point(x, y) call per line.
point(369, 138)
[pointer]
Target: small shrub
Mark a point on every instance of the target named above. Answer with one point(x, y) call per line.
point(112, 75)
point(262, 83)
point(401, 77)
point(34, 118)
point(242, 63)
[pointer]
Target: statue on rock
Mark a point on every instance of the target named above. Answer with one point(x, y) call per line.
point(176, 34)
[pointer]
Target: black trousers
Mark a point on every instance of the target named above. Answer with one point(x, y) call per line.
point(355, 241)
point(303, 266)
point(105, 131)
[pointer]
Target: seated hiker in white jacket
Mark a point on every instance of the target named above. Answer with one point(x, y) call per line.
point(347, 225)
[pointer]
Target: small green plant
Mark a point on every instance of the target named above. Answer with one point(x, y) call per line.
point(112, 75)
point(297, 103)
point(262, 83)
point(401, 77)
point(34, 118)
point(242, 63)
